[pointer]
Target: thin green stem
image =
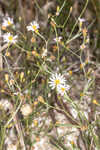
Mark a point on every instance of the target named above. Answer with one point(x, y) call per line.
point(3, 137)
point(57, 45)
point(77, 19)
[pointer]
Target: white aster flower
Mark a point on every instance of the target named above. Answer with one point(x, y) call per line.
point(9, 38)
point(34, 26)
point(62, 89)
point(7, 22)
point(81, 20)
point(56, 80)
point(83, 46)
point(57, 39)
point(26, 110)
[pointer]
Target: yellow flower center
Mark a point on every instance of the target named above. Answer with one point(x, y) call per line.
point(63, 89)
point(9, 23)
point(57, 82)
point(10, 38)
point(34, 27)
point(95, 101)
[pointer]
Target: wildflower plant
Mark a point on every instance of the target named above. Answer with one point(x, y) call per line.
point(58, 82)
point(34, 26)
point(58, 39)
point(7, 22)
point(9, 38)
point(62, 89)
point(36, 64)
